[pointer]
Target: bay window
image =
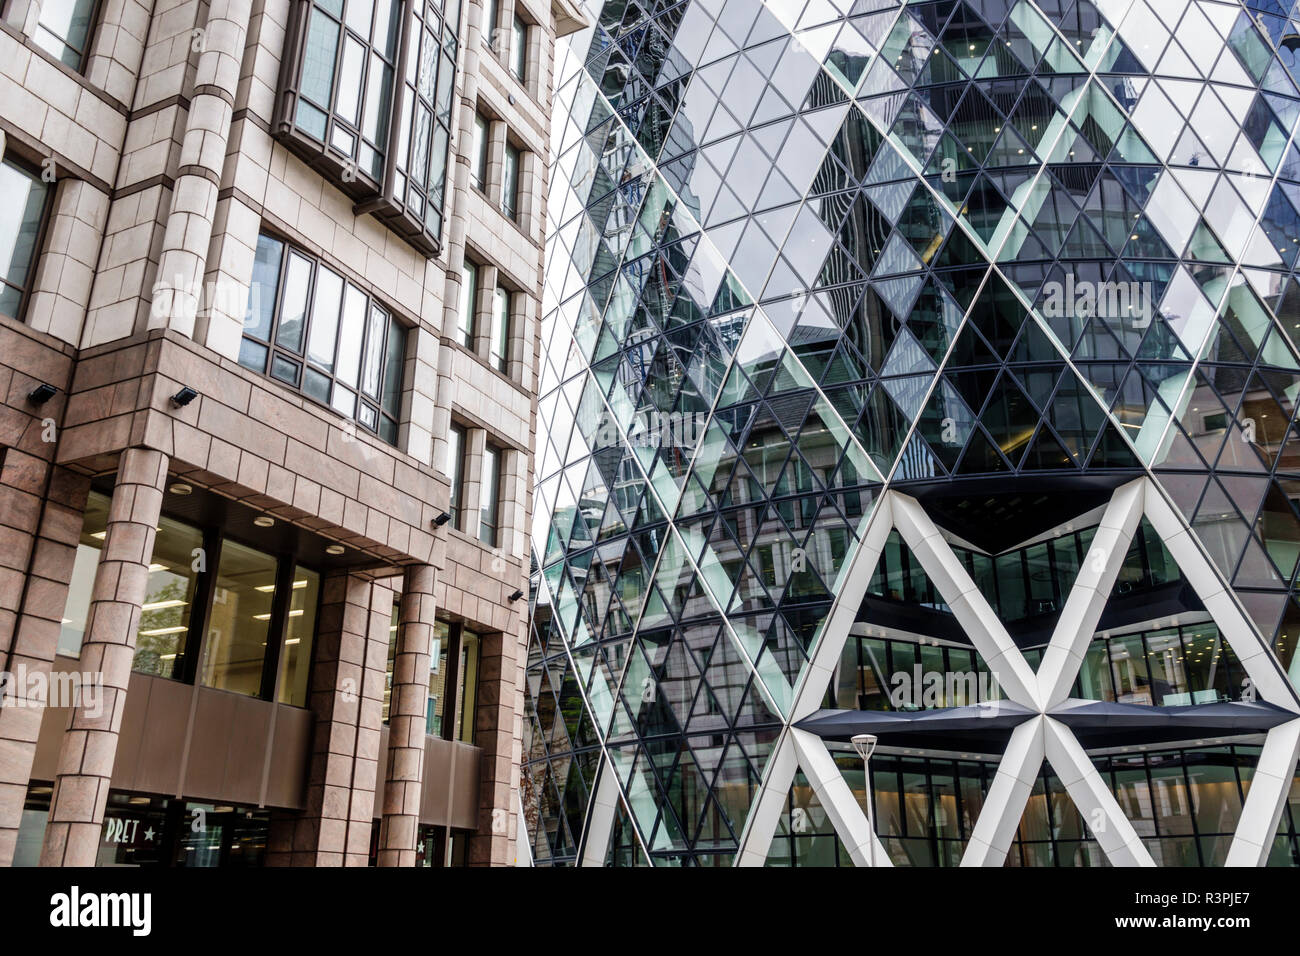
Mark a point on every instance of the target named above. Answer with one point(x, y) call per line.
point(349, 58)
point(313, 330)
point(366, 97)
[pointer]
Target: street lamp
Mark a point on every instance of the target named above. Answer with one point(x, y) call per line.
point(865, 745)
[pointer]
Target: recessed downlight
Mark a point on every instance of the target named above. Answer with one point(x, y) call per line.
point(264, 521)
point(335, 549)
point(181, 488)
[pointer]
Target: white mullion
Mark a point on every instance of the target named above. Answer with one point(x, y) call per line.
point(1269, 789)
point(1092, 797)
point(841, 805)
point(1004, 805)
point(1075, 627)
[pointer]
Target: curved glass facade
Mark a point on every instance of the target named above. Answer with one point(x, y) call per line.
point(906, 365)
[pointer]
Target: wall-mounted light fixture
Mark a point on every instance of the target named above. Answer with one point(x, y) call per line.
point(42, 393)
point(184, 397)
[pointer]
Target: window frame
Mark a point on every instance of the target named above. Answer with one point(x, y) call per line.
point(492, 23)
point(38, 242)
point(418, 217)
point(456, 464)
point(499, 332)
point(520, 33)
point(511, 179)
point(194, 644)
point(391, 326)
point(481, 150)
point(490, 504)
point(471, 284)
point(92, 30)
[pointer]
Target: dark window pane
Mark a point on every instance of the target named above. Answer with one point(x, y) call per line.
point(285, 370)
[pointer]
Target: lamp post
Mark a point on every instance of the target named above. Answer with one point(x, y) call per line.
point(865, 745)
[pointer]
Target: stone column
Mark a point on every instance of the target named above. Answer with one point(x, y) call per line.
point(89, 746)
point(495, 724)
point(351, 658)
point(38, 546)
point(182, 262)
point(400, 825)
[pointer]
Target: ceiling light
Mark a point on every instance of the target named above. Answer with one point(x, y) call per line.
point(181, 488)
point(264, 521)
point(335, 549)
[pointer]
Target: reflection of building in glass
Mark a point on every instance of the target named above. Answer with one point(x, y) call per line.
point(1019, 535)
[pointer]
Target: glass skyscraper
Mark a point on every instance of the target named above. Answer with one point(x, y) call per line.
point(925, 374)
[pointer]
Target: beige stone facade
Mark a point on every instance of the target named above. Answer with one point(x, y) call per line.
point(162, 163)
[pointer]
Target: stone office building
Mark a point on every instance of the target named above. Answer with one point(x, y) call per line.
point(268, 323)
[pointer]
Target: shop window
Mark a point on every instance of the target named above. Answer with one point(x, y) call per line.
point(247, 617)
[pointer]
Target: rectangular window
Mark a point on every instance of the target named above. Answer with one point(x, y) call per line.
point(510, 182)
point(499, 345)
point(434, 718)
point(248, 616)
point(318, 333)
point(21, 217)
point(491, 22)
point(392, 657)
point(345, 96)
point(519, 49)
point(166, 615)
point(456, 471)
point(367, 95)
point(239, 626)
point(299, 628)
point(63, 29)
point(77, 607)
point(479, 156)
point(467, 308)
point(466, 687)
point(489, 490)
